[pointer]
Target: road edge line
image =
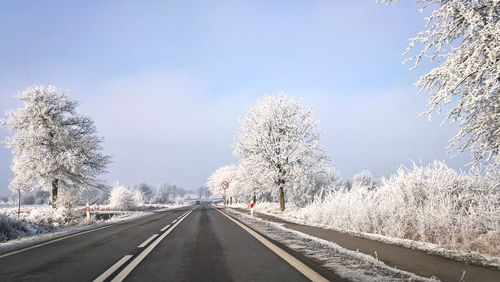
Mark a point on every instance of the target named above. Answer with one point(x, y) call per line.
point(294, 262)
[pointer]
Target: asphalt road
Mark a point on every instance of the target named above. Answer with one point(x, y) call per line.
point(195, 243)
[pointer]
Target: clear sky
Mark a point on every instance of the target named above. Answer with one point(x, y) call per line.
point(165, 81)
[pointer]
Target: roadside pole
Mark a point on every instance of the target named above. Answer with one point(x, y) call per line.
point(252, 203)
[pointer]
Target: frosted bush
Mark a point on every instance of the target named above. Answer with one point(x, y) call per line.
point(11, 228)
point(425, 203)
point(364, 180)
point(121, 198)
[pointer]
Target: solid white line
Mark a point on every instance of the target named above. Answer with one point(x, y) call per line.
point(112, 269)
point(173, 221)
point(297, 264)
point(164, 228)
point(147, 241)
point(126, 271)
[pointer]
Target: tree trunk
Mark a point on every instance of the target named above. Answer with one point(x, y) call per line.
point(54, 192)
point(282, 199)
point(253, 195)
point(18, 203)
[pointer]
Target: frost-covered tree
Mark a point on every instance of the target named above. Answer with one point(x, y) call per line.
point(317, 187)
point(203, 192)
point(97, 196)
point(278, 137)
point(364, 180)
point(465, 36)
point(173, 191)
point(226, 173)
point(147, 192)
point(53, 146)
point(253, 186)
point(161, 194)
point(122, 198)
point(167, 192)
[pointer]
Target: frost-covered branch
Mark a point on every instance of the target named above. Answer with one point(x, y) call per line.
point(466, 34)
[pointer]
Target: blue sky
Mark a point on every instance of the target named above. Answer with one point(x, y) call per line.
point(165, 81)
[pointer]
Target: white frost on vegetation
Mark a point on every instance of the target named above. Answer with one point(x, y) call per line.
point(42, 223)
point(434, 205)
point(122, 198)
point(279, 145)
point(37, 220)
point(227, 173)
point(465, 37)
point(53, 146)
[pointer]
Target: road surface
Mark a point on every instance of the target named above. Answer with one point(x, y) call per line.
point(195, 243)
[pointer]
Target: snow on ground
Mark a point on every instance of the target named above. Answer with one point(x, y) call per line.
point(41, 223)
point(291, 214)
point(37, 220)
point(31, 239)
point(240, 206)
point(348, 264)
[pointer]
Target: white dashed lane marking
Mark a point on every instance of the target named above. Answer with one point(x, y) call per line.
point(147, 241)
